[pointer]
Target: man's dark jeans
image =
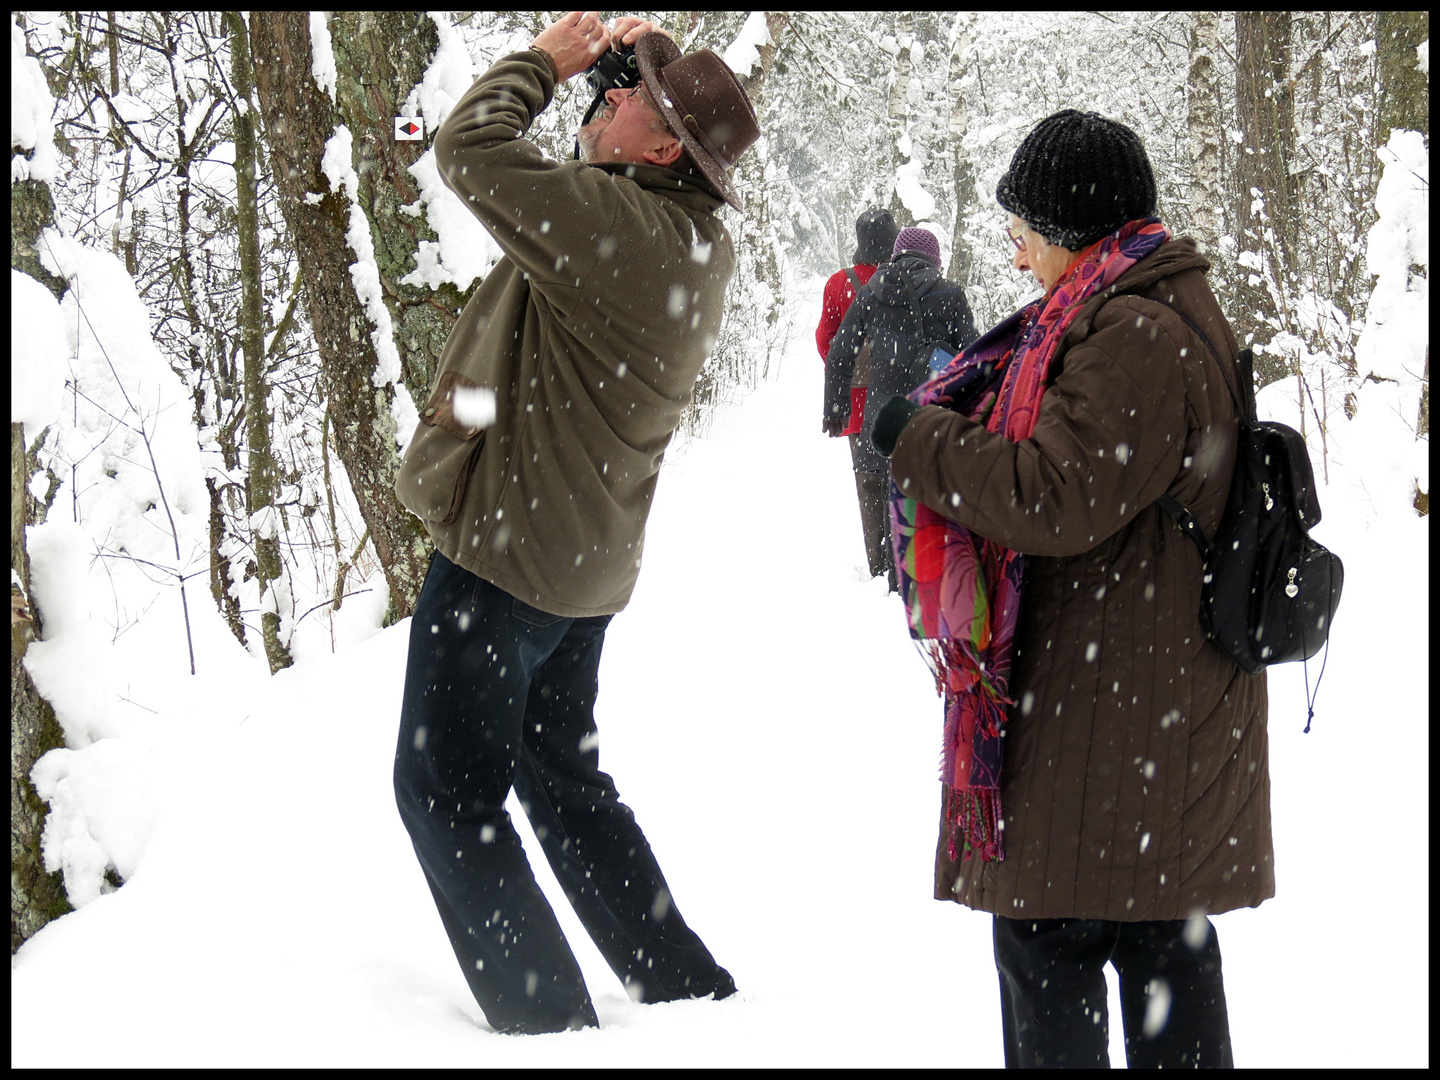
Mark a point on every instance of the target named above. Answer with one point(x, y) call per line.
point(501, 694)
point(1053, 995)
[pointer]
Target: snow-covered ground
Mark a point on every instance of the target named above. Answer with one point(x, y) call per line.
point(764, 713)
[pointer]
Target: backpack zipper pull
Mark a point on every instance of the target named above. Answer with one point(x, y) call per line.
point(1269, 502)
point(1292, 589)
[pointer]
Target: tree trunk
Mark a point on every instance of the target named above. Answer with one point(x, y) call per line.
point(170, 32)
point(1202, 92)
point(1404, 89)
point(260, 477)
point(735, 361)
point(380, 56)
point(1422, 427)
point(1405, 104)
point(32, 210)
point(220, 579)
point(36, 897)
point(963, 170)
point(299, 119)
point(762, 224)
point(776, 23)
point(898, 111)
point(1266, 215)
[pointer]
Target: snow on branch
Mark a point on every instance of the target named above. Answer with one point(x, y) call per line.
point(744, 52)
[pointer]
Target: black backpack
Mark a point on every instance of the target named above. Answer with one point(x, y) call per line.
point(1269, 592)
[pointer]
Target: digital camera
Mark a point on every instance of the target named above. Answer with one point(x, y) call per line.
point(615, 70)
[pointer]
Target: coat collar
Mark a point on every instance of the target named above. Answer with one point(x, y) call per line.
point(685, 186)
point(1170, 258)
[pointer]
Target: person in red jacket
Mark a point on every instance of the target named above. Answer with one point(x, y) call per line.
point(875, 232)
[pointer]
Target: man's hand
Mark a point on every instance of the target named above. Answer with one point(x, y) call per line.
point(627, 30)
point(833, 426)
point(574, 42)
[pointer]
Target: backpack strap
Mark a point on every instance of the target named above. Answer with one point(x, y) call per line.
point(1188, 525)
point(854, 278)
point(1244, 403)
point(914, 307)
point(1243, 396)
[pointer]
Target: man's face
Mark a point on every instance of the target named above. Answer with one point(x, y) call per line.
point(628, 129)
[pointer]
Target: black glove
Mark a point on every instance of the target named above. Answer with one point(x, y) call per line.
point(891, 421)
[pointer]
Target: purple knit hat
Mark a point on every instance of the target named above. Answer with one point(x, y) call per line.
point(919, 242)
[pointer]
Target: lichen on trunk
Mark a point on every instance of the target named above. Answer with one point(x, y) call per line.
point(36, 897)
point(380, 57)
point(299, 119)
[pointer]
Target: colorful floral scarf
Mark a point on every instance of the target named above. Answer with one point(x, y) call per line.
point(962, 591)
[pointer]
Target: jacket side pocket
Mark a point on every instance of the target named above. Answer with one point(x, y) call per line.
point(437, 465)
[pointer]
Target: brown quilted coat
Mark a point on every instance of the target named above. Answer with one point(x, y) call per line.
point(1135, 783)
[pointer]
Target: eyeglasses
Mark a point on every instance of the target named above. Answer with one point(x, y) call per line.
point(640, 89)
point(1015, 238)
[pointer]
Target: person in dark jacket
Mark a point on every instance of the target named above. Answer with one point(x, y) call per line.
point(875, 233)
point(586, 339)
point(1132, 797)
point(906, 308)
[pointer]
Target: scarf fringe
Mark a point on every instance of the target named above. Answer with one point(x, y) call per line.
point(934, 654)
point(973, 819)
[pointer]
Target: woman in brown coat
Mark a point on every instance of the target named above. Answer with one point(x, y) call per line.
point(1132, 796)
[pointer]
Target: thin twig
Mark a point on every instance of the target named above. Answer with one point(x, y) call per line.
point(323, 603)
point(149, 450)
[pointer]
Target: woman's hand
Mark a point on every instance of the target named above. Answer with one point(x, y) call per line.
point(574, 42)
point(891, 422)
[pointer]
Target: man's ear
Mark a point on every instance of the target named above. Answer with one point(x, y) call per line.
point(667, 154)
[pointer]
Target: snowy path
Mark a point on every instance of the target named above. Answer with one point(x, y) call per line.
point(766, 716)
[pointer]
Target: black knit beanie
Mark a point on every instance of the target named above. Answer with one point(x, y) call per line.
point(1076, 177)
point(875, 233)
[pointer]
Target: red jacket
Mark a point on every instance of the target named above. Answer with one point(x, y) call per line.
point(839, 295)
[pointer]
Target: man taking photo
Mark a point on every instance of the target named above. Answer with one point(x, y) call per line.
point(589, 334)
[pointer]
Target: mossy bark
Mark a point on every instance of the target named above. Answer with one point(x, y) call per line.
point(299, 119)
point(1264, 104)
point(32, 210)
point(1202, 99)
point(1404, 88)
point(1405, 103)
point(380, 56)
point(962, 167)
point(261, 476)
point(36, 897)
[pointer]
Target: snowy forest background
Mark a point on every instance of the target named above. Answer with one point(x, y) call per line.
point(230, 285)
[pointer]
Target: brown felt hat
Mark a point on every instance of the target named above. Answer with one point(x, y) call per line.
point(703, 105)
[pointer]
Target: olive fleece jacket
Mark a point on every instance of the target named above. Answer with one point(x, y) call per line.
point(591, 332)
point(1135, 783)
